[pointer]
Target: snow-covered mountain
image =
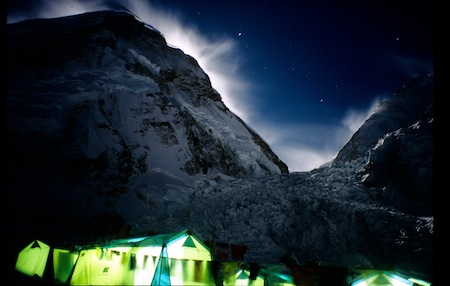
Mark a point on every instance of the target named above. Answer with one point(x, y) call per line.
point(111, 132)
point(398, 140)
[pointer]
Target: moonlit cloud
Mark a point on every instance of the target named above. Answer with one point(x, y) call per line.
point(304, 147)
point(354, 118)
point(218, 57)
point(294, 144)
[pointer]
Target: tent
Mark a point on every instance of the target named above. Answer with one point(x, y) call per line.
point(32, 260)
point(243, 274)
point(41, 260)
point(243, 279)
point(382, 278)
point(166, 259)
point(386, 278)
point(234, 274)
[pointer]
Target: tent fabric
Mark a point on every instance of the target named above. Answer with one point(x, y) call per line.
point(243, 279)
point(63, 262)
point(382, 278)
point(32, 260)
point(162, 272)
point(166, 259)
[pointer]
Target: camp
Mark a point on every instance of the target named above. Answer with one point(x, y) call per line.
point(166, 259)
point(178, 258)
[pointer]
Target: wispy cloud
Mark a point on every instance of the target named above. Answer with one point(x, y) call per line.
point(295, 144)
point(406, 65)
point(354, 118)
point(218, 57)
point(304, 147)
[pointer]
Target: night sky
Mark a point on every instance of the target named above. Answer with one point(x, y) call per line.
point(302, 74)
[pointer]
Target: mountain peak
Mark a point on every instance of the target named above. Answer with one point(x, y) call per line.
point(119, 97)
point(401, 109)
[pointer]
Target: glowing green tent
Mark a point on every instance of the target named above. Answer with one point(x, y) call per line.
point(382, 278)
point(32, 260)
point(243, 279)
point(386, 278)
point(166, 259)
point(36, 260)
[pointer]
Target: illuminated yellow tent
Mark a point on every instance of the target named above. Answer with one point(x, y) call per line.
point(166, 259)
point(32, 260)
point(41, 260)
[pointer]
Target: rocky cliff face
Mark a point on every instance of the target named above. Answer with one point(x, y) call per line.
point(398, 140)
point(105, 98)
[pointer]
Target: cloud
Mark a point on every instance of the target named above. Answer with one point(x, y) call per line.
point(218, 57)
point(354, 118)
point(408, 66)
point(306, 146)
point(300, 156)
point(296, 143)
